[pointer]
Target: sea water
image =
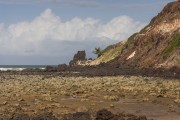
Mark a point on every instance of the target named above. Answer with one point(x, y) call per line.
point(21, 67)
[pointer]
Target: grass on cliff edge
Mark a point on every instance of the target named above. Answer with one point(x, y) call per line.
point(110, 53)
point(175, 42)
point(144, 29)
point(130, 40)
point(106, 49)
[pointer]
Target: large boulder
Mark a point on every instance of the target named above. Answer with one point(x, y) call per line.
point(77, 116)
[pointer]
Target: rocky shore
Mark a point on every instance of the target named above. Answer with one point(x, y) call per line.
point(64, 70)
point(55, 95)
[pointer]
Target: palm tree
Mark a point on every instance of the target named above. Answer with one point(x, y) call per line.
point(97, 51)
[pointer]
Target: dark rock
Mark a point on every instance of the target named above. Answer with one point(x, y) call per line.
point(118, 118)
point(137, 118)
point(44, 116)
point(79, 56)
point(20, 117)
point(90, 59)
point(159, 96)
point(104, 115)
point(32, 70)
point(77, 116)
point(130, 115)
point(50, 69)
point(107, 115)
point(100, 115)
point(62, 67)
point(142, 118)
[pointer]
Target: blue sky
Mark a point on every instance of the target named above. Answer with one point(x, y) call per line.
point(51, 31)
point(142, 10)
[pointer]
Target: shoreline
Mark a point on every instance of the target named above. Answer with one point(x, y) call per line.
point(101, 70)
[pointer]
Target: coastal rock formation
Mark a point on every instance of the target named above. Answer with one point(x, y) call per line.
point(79, 58)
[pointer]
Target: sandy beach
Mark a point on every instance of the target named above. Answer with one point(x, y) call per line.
point(154, 97)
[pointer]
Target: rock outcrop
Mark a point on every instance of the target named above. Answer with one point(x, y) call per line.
point(79, 58)
point(62, 67)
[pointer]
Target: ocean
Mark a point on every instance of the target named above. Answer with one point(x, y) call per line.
point(21, 67)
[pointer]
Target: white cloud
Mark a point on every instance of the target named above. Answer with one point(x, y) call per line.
point(48, 35)
point(118, 28)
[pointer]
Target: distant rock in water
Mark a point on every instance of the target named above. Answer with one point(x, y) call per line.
point(78, 59)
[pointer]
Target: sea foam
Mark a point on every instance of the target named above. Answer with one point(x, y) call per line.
point(16, 69)
point(13, 69)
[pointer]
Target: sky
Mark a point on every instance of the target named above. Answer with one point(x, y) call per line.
point(50, 32)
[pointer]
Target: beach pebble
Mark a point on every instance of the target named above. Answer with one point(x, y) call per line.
point(111, 106)
point(111, 98)
point(82, 109)
point(177, 100)
point(4, 103)
point(20, 100)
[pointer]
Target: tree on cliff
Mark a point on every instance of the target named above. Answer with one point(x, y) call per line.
point(97, 51)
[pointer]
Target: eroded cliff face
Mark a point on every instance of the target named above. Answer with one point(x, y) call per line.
point(156, 45)
point(166, 27)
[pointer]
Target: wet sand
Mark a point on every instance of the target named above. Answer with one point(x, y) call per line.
point(153, 97)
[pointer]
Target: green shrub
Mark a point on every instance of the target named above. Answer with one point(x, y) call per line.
point(97, 51)
point(106, 49)
point(130, 40)
point(108, 56)
point(175, 42)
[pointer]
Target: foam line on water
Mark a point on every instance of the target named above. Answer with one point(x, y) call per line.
point(15, 69)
